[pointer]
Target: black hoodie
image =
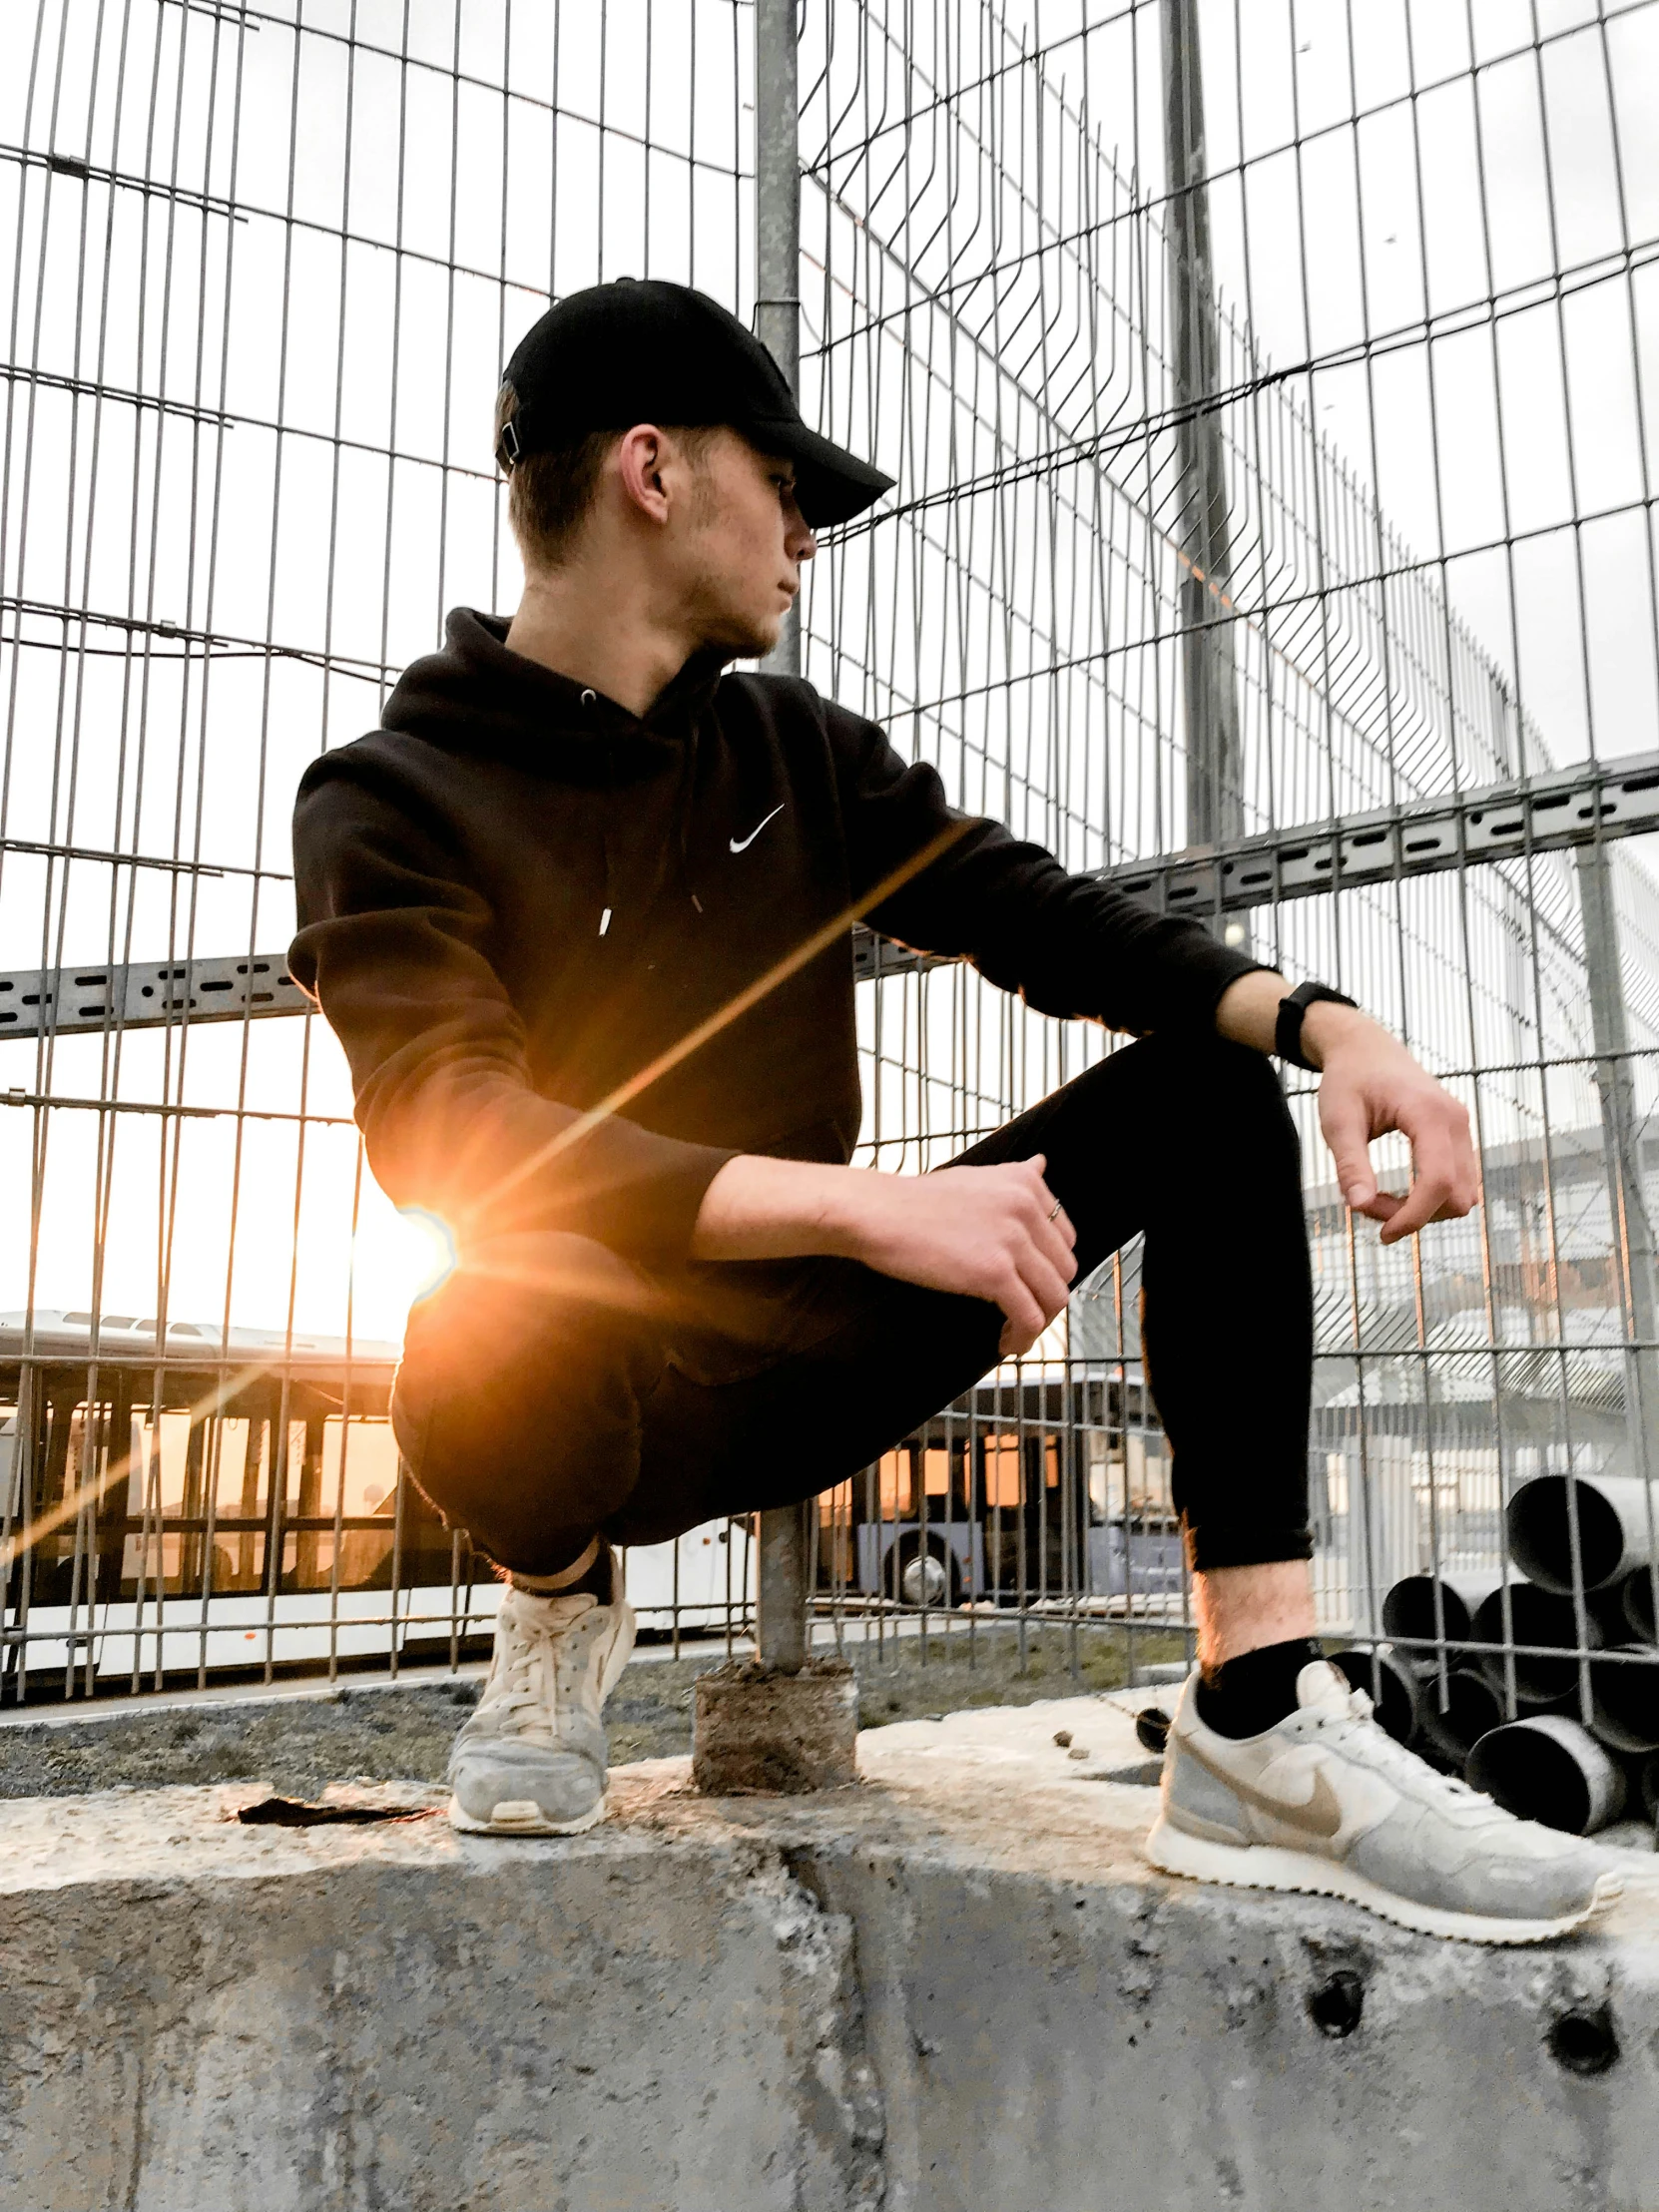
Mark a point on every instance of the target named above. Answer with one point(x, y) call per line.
point(515, 895)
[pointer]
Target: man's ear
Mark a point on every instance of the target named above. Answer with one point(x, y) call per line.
point(640, 455)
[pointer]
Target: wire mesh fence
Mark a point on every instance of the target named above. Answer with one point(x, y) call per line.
point(1269, 395)
point(266, 267)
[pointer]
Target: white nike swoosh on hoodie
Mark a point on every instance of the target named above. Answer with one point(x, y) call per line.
point(743, 845)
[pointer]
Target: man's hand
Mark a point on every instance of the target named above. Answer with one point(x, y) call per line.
point(992, 1233)
point(1370, 1084)
point(995, 1233)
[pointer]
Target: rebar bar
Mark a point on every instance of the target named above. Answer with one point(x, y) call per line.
point(781, 1632)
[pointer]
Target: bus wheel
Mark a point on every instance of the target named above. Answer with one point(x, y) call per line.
point(923, 1578)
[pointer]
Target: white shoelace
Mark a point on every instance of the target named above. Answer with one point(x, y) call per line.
point(1358, 1732)
point(524, 1684)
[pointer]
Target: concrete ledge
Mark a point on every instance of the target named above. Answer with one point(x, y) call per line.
point(955, 1986)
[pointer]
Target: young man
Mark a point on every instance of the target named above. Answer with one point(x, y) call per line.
point(579, 912)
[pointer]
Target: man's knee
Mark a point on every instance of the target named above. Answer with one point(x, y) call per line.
point(518, 1393)
point(1184, 1077)
point(1202, 1083)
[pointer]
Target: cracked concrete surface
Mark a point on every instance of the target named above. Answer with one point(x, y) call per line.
point(956, 1985)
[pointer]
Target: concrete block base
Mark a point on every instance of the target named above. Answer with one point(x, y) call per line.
point(758, 1733)
point(959, 1988)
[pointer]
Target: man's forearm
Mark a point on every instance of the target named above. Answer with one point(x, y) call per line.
point(997, 1231)
point(761, 1209)
point(1248, 1012)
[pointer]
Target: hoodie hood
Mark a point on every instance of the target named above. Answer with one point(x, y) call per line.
point(476, 696)
point(479, 698)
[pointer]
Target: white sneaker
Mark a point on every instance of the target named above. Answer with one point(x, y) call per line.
point(1325, 1801)
point(531, 1759)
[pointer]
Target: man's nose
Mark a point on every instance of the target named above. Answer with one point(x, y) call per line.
point(799, 542)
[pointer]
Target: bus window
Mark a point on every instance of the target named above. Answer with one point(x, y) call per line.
point(156, 1562)
point(1149, 1476)
point(835, 1543)
point(242, 1466)
point(1002, 1474)
point(169, 1463)
point(936, 1471)
point(244, 1490)
point(894, 1475)
point(359, 1474)
point(366, 1455)
point(834, 1507)
point(1103, 1478)
point(304, 1468)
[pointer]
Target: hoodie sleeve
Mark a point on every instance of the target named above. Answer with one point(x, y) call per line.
point(1070, 945)
point(389, 946)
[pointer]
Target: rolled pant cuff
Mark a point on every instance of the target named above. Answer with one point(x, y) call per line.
point(1211, 1547)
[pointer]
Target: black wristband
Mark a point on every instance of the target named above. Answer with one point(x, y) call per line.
point(1286, 1030)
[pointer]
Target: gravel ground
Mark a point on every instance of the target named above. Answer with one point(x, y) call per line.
point(403, 1732)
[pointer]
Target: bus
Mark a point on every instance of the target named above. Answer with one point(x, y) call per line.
point(1052, 1488)
point(188, 1502)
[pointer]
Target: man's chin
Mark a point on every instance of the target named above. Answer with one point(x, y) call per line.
point(747, 641)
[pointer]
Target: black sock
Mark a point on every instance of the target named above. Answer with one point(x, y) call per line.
point(1247, 1695)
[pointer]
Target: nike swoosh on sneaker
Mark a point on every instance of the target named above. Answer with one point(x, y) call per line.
point(742, 844)
point(1321, 1812)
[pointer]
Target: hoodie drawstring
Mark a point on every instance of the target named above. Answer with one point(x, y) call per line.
point(682, 834)
point(608, 908)
point(688, 799)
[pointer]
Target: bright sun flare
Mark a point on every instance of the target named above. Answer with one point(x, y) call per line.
point(428, 1256)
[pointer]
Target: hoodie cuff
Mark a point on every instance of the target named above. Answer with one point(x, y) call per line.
point(1207, 971)
point(660, 1234)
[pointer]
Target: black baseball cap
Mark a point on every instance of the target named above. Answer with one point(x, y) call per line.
point(639, 350)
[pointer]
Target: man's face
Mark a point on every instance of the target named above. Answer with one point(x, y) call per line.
point(739, 551)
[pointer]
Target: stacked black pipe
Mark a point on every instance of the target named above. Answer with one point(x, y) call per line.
point(1482, 1675)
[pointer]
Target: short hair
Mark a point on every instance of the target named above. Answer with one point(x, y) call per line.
point(550, 493)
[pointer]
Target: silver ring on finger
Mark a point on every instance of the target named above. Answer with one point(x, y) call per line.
point(1053, 1211)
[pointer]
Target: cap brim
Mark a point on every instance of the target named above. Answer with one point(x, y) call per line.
point(831, 485)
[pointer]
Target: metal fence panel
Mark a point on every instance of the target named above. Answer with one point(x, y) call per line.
point(1273, 445)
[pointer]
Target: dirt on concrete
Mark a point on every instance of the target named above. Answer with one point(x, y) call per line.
point(760, 1731)
point(907, 1678)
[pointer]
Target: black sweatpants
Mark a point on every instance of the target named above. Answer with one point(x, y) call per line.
point(550, 1389)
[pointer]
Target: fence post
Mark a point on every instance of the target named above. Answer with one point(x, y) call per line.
point(1215, 787)
point(790, 1724)
point(1632, 1227)
point(780, 1583)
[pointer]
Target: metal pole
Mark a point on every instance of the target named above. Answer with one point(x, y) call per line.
point(1215, 785)
point(1632, 1227)
point(781, 1629)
